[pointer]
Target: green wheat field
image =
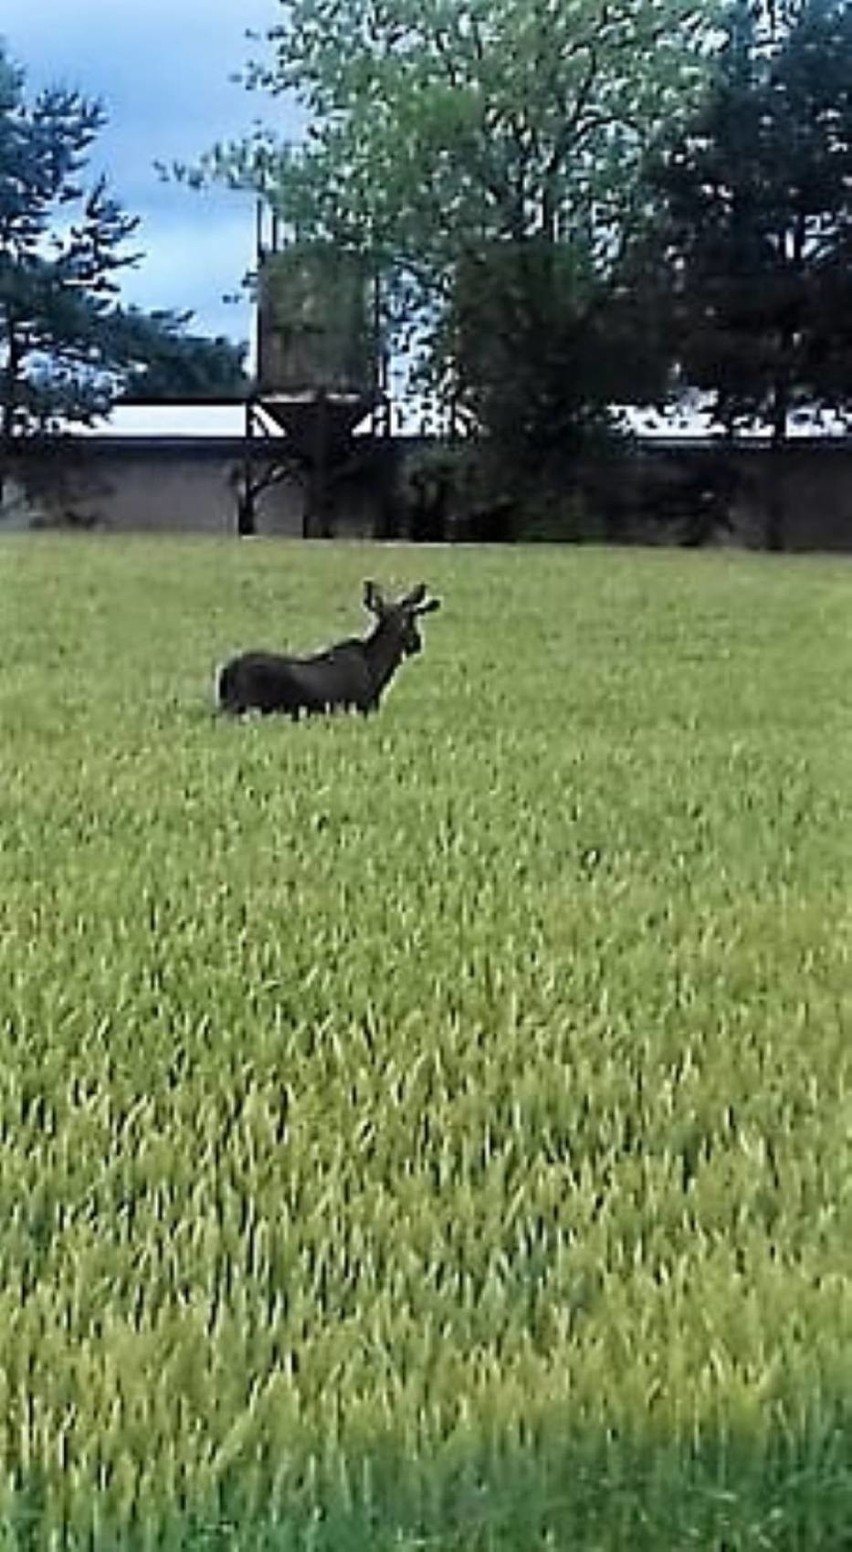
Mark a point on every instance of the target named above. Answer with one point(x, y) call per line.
point(429, 1132)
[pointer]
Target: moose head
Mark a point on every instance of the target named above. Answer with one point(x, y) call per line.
point(399, 620)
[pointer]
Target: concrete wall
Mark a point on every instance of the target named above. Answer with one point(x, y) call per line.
point(190, 484)
point(816, 489)
point(138, 484)
point(164, 484)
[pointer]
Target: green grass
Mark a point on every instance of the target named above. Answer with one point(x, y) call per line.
point(430, 1132)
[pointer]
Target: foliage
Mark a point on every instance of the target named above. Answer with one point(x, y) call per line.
point(434, 126)
point(759, 203)
point(430, 1133)
point(61, 248)
point(541, 349)
point(181, 365)
point(67, 347)
point(440, 135)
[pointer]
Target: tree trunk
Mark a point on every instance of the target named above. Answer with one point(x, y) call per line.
point(8, 384)
point(774, 524)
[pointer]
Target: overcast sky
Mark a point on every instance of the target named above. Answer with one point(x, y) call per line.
point(163, 70)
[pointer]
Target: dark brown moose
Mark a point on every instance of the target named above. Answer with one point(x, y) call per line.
point(349, 676)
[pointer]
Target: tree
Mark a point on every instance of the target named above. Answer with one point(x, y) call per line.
point(443, 134)
point(180, 365)
point(542, 347)
point(758, 224)
point(67, 346)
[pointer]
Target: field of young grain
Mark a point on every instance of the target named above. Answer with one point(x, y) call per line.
point(435, 1131)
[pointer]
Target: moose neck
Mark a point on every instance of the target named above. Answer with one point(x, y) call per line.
point(384, 651)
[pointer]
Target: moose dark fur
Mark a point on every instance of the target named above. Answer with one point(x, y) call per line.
point(350, 675)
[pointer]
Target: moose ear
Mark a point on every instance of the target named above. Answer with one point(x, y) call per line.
point(433, 604)
point(373, 599)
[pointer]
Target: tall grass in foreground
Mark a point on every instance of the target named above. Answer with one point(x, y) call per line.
point(431, 1132)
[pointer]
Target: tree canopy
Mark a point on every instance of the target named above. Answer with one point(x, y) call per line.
point(579, 203)
point(437, 127)
point(68, 348)
point(485, 154)
point(757, 220)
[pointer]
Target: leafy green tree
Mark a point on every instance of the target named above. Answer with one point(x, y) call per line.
point(542, 347)
point(486, 154)
point(68, 348)
point(435, 126)
point(758, 223)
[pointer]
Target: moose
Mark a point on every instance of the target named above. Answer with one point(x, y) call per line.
point(350, 675)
